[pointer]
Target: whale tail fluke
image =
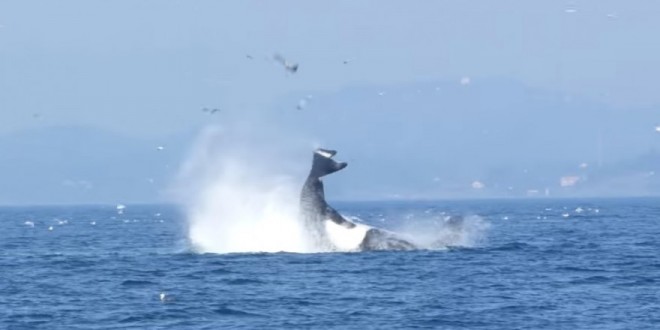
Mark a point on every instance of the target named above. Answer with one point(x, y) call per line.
point(323, 164)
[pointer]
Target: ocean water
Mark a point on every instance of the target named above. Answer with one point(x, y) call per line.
point(537, 264)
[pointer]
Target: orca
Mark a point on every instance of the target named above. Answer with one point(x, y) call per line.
point(327, 228)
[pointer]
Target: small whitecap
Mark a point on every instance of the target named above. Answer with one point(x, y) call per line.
point(565, 215)
point(50, 228)
point(93, 223)
point(29, 223)
point(579, 210)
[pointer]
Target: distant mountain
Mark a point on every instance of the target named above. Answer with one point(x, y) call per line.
point(491, 138)
point(435, 139)
point(84, 165)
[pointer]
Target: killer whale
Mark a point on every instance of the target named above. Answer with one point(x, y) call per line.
point(327, 227)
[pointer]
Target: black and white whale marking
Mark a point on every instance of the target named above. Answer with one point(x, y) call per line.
point(329, 229)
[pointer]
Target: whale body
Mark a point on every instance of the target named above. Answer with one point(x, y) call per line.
point(326, 227)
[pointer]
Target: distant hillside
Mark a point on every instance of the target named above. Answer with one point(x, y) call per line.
point(84, 165)
point(435, 139)
point(425, 140)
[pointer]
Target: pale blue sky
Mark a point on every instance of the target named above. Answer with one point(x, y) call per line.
point(147, 67)
point(552, 84)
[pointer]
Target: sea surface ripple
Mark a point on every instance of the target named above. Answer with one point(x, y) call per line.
point(546, 264)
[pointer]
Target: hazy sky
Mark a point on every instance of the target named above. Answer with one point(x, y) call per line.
point(148, 67)
point(512, 94)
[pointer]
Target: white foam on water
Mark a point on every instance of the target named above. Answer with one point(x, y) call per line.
point(438, 233)
point(235, 201)
point(346, 239)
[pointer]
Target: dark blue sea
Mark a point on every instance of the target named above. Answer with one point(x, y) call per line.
point(541, 264)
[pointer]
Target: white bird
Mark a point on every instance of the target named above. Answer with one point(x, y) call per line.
point(301, 104)
point(50, 228)
point(657, 128)
point(570, 11)
point(160, 148)
point(289, 66)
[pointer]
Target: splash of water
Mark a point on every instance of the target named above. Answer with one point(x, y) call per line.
point(236, 202)
point(439, 232)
